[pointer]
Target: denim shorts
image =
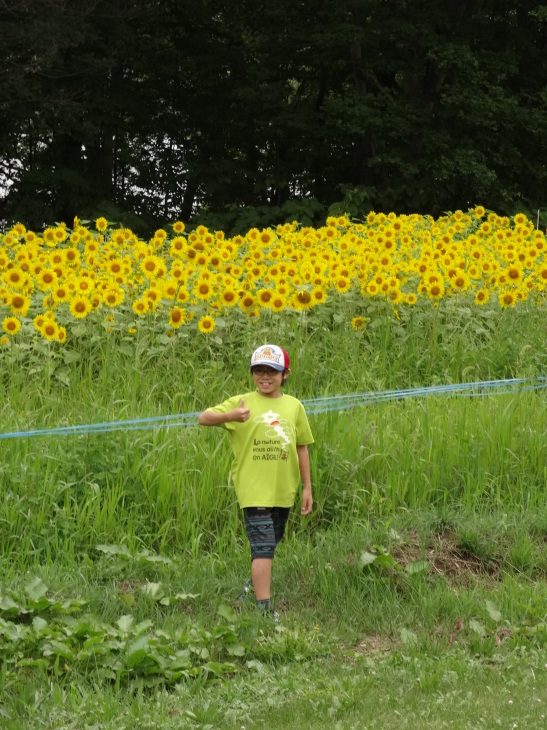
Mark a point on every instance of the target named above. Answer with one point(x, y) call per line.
point(265, 527)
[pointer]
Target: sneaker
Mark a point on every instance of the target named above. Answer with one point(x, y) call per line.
point(274, 616)
point(247, 586)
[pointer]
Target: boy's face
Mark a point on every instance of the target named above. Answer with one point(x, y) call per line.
point(268, 381)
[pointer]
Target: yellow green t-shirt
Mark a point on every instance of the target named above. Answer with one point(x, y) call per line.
point(265, 468)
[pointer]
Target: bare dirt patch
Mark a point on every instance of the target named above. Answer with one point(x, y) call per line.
point(375, 645)
point(444, 556)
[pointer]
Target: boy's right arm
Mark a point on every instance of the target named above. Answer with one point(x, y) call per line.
point(211, 418)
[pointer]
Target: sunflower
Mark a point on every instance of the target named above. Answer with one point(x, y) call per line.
point(318, 295)
point(182, 295)
point(178, 227)
point(170, 287)
point(206, 324)
point(56, 257)
point(11, 325)
point(113, 296)
point(60, 293)
point(302, 300)
point(115, 266)
point(80, 306)
point(514, 273)
point(201, 259)
point(15, 278)
point(49, 237)
point(101, 224)
point(411, 299)
point(20, 304)
point(279, 302)
point(460, 282)
point(203, 289)
point(140, 307)
point(507, 299)
point(177, 272)
point(153, 297)
point(178, 246)
point(358, 323)
point(149, 264)
point(229, 297)
point(342, 284)
point(61, 334)
point(264, 298)
point(481, 297)
point(50, 330)
point(176, 317)
point(38, 321)
point(47, 279)
point(247, 302)
point(435, 290)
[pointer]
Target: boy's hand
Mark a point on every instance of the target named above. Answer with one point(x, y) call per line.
point(307, 502)
point(241, 414)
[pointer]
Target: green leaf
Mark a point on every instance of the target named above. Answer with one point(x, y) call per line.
point(138, 650)
point(125, 623)
point(78, 330)
point(367, 558)
point(236, 650)
point(387, 561)
point(228, 613)
point(493, 612)
point(57, 648)
point(420, 566)
point(255, 664)
point(71, 356)
point(154, 590)
point(184, 596)
point(477, 627)
point(114, 550)
point(36, 588)
point(154, 559)
point(39, 623)
point(408, 638)
point(9, 606)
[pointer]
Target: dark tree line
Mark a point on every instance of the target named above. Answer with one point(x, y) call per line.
point(242, 112)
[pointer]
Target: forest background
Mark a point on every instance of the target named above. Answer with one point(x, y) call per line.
point(242, 114)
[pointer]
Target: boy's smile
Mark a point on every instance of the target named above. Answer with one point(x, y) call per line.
point(268, 381)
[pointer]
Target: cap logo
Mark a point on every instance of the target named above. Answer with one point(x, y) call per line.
point(268, 354)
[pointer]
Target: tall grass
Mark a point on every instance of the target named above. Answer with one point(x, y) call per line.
point(168, 489)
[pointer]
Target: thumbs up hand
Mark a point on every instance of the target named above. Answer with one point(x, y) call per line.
point(241, 414)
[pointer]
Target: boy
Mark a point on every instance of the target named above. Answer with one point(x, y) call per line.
point(269, 434)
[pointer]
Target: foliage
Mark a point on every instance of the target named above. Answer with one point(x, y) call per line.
point(213, 110)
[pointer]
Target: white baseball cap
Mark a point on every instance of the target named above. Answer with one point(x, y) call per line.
point(273, 355)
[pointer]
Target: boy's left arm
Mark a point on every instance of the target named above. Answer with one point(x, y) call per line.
point(304, 465)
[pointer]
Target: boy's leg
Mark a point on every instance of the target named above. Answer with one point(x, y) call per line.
point(260, 531)
point(265, 527)
point(261, 574)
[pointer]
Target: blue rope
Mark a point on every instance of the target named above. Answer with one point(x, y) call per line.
point(313, 406)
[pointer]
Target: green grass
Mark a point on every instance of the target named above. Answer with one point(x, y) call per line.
point(413, 596)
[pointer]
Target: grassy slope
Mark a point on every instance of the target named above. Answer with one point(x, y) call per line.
point(457, 483)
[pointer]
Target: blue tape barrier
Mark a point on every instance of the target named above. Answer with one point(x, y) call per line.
point(313, 406)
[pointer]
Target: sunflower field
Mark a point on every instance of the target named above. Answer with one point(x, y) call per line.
point(64, 283)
